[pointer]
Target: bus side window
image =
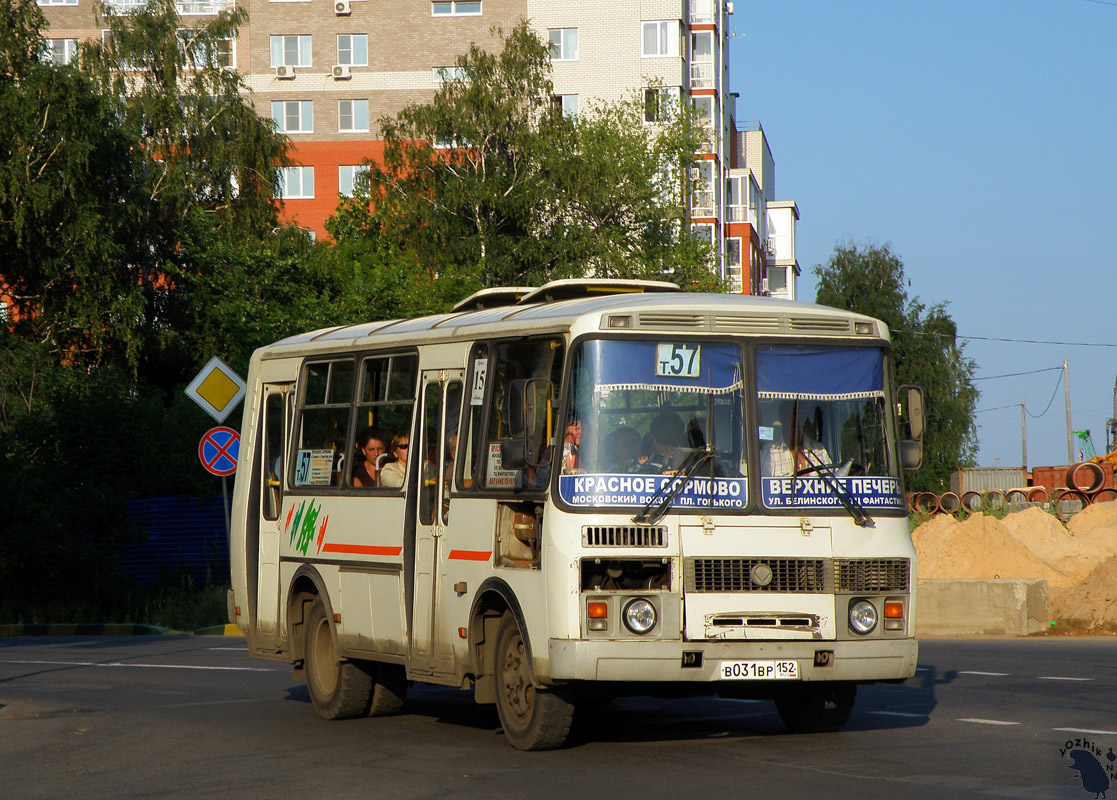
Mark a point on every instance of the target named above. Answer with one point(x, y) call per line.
point(323, 430)
point(272, 461)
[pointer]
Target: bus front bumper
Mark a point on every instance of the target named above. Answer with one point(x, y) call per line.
point(860, 660)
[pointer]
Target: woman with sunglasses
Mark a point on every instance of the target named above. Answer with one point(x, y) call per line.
point(393, 474)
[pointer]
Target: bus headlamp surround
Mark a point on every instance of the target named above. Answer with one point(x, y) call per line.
point(862, 616)
point(639, 616)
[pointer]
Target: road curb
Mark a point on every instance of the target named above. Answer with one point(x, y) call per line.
point(83, 629)
point(220, 630)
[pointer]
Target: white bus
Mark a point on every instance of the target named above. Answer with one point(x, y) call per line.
point(605, 488)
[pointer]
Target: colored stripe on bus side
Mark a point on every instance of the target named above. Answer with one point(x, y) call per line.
point(362, 549)
point(470, 555)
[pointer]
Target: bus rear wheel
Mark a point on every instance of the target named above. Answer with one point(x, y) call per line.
point(816, 707)
point(389, 688)
point(338, 689)
point(532, 718)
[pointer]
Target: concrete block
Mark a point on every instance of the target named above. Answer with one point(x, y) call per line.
point(963, 607)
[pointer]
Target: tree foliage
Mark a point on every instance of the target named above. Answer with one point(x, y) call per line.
point(870, 280)
point(489, 184)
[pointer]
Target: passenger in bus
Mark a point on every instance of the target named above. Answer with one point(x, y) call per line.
point(791, 449)
point(394, 472)
point(669, 436)
point(371, 445)
point(623, 447)
point(571, 444)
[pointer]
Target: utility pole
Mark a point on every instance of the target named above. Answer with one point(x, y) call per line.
point(1024, 436)
point(1070, 433)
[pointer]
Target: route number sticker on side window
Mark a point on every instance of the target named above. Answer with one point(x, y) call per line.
point(678, 360)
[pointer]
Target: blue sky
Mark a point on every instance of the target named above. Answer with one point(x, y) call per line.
point(979, 139)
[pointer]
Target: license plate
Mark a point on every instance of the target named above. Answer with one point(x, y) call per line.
point(758, 670)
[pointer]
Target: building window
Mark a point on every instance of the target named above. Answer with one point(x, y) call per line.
point(293, 116)
point(660, 102)
point(290, 51)
point(57, 2)
point(295, 182)
point(567, 104)
point(59, 51)
point(564, 44)
point(198, 54)
point(442, 74)
point(347, 178)
point(702, 61)
point(702, 175)
point(661, 38)
point(735, 199)
point(3, 310)
point(352, 49)
point(733, 264)
point(352, 116)
point(457, 8)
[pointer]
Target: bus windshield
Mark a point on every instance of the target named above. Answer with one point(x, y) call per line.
point(642, 413)
point(822, 427)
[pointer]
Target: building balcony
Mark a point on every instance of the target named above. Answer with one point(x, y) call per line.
point(702, 75)
point(703, 12)
point(184, 7)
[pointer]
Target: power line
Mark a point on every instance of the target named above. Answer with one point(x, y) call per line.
point(1017, 374)
point(1011, 341)
point(1058, 383)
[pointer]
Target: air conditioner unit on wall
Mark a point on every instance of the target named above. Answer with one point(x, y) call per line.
point(341, 72)
point(285, 72)
point(728, 9)
point(342, 8)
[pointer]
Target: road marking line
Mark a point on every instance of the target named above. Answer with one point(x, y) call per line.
point(897, 714)
point(988, 721)
point(988, 674)
point(1061, 678)
point(231, 649)
point(1086, 730)
point(148, 666)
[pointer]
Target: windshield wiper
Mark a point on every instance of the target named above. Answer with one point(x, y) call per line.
point(657, 506)
point(849, 502)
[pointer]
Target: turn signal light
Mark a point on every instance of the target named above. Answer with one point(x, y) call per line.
point(893, 609)
point(598, 610)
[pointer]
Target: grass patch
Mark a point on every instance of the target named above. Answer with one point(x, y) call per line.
point(180, 606)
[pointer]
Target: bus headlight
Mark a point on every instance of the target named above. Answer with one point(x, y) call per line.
point(862, 616)
point(639, 616)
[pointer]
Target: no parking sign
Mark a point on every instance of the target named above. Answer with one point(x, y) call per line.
point(219, 450)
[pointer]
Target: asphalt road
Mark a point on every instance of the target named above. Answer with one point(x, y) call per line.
point(175, 716)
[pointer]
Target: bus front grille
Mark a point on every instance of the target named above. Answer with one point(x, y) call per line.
point(806, 575)
point(871, 575)
point(624, 536)
point(797, 575)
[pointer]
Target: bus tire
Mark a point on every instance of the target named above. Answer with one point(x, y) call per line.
point(389, 688)
point(816, 707)
point(338, 688)
point(532, 718)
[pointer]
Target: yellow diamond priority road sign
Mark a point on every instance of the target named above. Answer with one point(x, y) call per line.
point(217, 389)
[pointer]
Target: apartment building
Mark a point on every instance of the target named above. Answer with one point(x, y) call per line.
point(326, 70)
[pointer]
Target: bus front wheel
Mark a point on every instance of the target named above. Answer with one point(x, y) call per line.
point(532, 718)
point(816, 707)
point(338, 689)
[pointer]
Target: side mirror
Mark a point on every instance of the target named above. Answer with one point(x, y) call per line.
point(528, 406)
point(912, 415)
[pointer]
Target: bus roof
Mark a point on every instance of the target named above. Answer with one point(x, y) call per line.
point(560, 305)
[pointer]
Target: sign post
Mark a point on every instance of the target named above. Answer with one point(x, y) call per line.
point(218, 390)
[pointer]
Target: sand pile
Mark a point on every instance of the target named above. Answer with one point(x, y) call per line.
point(1078, 561)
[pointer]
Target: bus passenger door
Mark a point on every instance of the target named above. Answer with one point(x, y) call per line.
point(438, 435)
point(273, 433)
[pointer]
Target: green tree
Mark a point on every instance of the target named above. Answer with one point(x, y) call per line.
point(67, 172)
point(489, 184)
point(870, 280)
